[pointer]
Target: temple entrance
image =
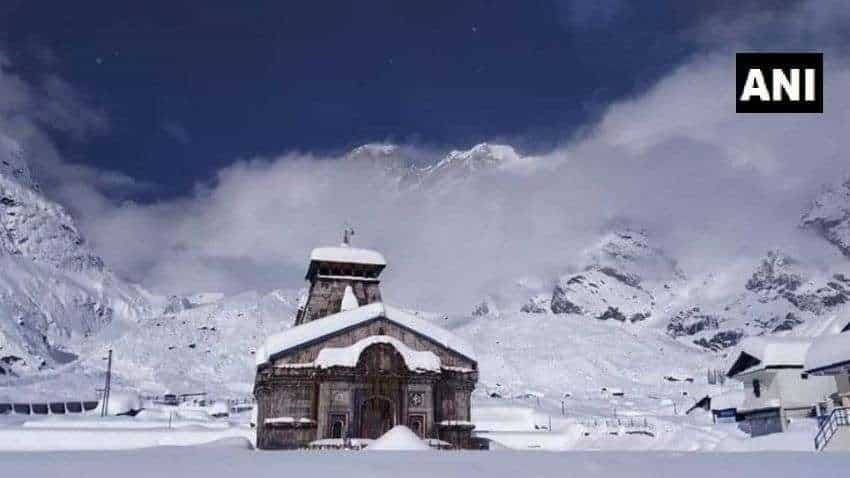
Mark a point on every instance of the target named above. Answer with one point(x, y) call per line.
point(376, 417)
point(337, 422)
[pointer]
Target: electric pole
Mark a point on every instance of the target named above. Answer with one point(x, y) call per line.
point(104, 408)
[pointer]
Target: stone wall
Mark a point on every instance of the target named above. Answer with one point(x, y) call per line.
point(419, 400)
point(286, 393)
point(325, 296)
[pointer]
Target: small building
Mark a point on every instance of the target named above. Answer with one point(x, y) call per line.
point(353, 367)
point(723, 406)
point(830, 356)
point(775, 385)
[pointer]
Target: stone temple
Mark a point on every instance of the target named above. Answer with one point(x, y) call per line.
point(354, 367)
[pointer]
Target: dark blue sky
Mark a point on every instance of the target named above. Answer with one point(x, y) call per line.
point(188, 87)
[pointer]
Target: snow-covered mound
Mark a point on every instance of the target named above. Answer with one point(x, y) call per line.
point(399, 438)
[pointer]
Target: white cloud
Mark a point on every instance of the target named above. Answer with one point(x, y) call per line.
point(713, 187)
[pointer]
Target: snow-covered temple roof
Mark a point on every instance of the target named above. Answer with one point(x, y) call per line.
point(311, 331)
point(416, 360)
point(829, 351)
point(759, 353)
point(346, 254)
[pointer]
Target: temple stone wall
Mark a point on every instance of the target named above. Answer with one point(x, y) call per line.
point(325, 296)
point(420, 400)
point(286, 397)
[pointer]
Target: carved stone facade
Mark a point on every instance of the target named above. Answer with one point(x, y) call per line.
point(299, 402)
point(387, 368)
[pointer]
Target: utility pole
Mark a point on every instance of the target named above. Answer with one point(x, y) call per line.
point(106, 388)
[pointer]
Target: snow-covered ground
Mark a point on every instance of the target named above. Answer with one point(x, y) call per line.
point(230, 458)
point(547, 381)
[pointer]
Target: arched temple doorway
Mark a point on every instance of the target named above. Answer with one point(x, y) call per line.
point(382, 374)
point(376, 417)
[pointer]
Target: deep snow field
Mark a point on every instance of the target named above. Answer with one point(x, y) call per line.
point(230, 458)
point(547, 382)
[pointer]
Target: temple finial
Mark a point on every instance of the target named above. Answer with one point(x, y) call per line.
point(347, 233)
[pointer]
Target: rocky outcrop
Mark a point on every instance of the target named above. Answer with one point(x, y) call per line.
point(778, 277)
point(539, 304)
point(485, 308)
point(691, 322)
point(721, 340)
point(38, 229)
point(829, 215)
point(600, 294)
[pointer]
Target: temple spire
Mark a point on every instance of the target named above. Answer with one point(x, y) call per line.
point(347, 233)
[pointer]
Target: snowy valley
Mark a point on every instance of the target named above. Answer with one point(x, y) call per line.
point(625, 337)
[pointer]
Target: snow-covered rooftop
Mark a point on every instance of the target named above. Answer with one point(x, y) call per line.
point(331, 324)
point(728, 399)
point(828, 350)
point(416, 360)
point(774, 352)
point(347, 254)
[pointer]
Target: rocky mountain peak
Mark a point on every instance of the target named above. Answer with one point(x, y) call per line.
point(38, 229)
point(479, 157)
point(13, 164)
point(372, 150)
point(829, 215)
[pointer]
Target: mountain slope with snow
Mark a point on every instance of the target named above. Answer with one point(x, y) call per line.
point(623, 317)
point(54, 291)
point(829, 215)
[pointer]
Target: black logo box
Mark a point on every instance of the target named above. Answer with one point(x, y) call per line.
point(766, 62)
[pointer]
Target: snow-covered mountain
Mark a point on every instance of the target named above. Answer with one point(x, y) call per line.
point(13, 165)
point(389, 159)
point(62, 308)
point(457, 165)
point(829, 215)
point(54, 291)
point(626, 279)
